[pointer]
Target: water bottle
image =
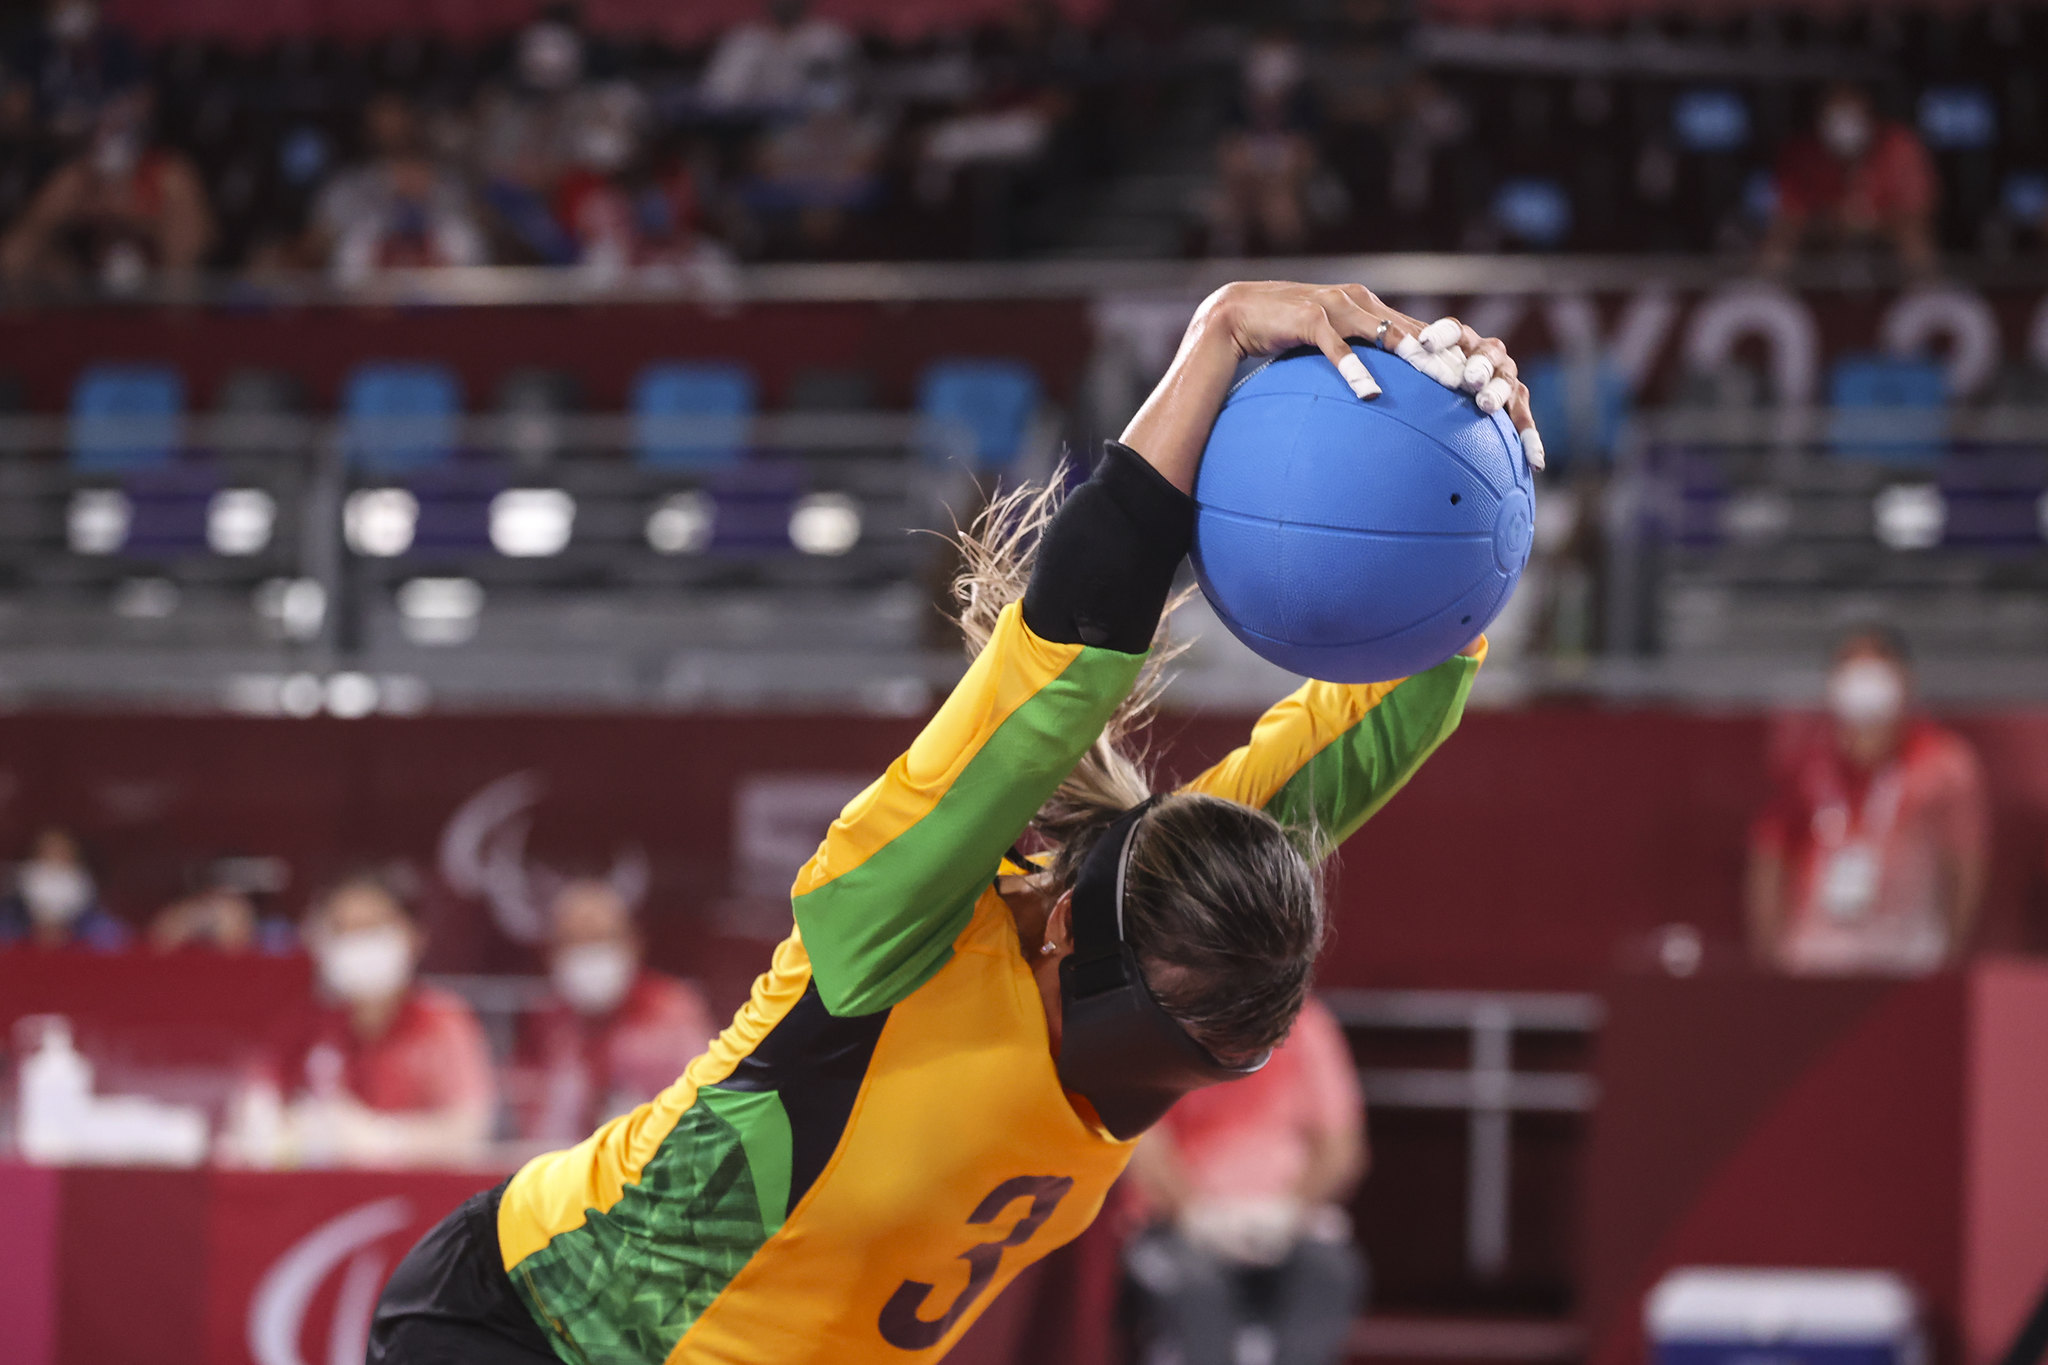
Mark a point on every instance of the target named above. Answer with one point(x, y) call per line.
point(55, 1106)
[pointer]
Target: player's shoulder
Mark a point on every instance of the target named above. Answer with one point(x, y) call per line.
point(658, 992)
point(438, 1007)
point(1317, 1030)
point(1935, 747)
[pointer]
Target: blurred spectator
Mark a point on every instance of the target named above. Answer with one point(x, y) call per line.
point(122, 210)
point(1856, 178)
point(1245, 1183)
point(54, 903)
point(777, 66)
point(1020, 95)
point(529, 131)
point(816, 169)
point(220, 916)
point(614, 1034)
point(388, 1072)
point(1430, 123)
point(216, 918)
point(24, 150)
point(617, 206)
point(73, 65)
point(566, 175)
point(1872, 857)
point(1265, 165)
point(551, 51)
point(662, 211)
point(399, 209)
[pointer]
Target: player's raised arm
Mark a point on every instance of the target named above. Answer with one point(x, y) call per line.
point(1325, 759)
point(899, 871)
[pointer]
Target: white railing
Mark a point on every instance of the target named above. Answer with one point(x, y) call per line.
point(1488, 1090)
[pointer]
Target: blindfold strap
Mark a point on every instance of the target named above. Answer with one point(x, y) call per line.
point(1098, 905)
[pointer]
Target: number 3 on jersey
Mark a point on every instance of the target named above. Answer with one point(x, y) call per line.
point(903, 1328)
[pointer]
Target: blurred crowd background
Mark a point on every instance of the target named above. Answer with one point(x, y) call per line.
point(468, 481)
point(190, 140)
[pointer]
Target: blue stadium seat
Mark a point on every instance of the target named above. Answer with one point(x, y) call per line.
point(993, 399)
point(1533, 210)
point(2024, 198)
point(400, 418)
point(126, 417)
point(1710, 120)
point(1958, 118)
point(692, 415)
point(1887, 408)
point(1550, 403)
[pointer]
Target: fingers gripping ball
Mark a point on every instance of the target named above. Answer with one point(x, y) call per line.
point(1354, 540)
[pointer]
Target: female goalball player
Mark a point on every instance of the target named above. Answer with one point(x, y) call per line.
point(948, 1062)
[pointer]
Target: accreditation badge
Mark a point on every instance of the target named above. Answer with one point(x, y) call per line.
point(1848, 884)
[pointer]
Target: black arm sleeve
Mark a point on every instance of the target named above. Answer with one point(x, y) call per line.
point(1107, 561)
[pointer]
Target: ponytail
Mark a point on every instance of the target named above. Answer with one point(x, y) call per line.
point(997, 551)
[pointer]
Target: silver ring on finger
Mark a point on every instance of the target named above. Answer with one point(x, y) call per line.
point(1379, 338)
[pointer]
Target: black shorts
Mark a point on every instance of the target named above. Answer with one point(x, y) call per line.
point(450, 1301)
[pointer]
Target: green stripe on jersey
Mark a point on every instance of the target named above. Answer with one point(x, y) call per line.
point(878, 932)
point(763, 1125)
point(1351, 777)
point(624, 1287)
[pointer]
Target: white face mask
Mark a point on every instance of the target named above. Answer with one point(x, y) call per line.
point(1866, 692)
point(550, 56)
point(603, 146)
point(1272, 70)
point(114, 155)
point(594, 977)
point(1845, 129)
point(54, 893)
point(74, 22)
point(365, 964)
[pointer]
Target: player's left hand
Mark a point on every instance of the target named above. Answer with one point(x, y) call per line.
point(1457, 357)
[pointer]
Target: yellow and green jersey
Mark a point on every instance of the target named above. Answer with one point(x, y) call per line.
point(879, 1142)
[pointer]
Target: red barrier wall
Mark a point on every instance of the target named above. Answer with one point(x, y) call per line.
point(136, 1267)
point(28, 1263)
point(1654, 332)
point(604, 347)
point(1750, 1121)
point(1538, 849)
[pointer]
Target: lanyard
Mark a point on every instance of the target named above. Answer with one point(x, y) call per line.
point(1836, 822)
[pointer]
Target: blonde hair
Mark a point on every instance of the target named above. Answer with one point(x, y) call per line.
point(997, 551)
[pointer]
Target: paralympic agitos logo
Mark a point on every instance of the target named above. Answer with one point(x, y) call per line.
point(348, 1243)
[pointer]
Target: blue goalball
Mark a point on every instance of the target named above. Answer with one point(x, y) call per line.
point(1359, 541)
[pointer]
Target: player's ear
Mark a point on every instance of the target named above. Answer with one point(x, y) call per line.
point(1059, 926)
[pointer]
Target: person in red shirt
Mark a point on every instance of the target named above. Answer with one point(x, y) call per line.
point(1871, 859)
point(1244, 1186)
point(387, 1072)
point(613, 1034)
point(1857, 177)
point(123, 208)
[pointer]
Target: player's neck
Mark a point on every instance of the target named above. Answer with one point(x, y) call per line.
point(1870, 747)
point(1030, 907)
point(372, 1019)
